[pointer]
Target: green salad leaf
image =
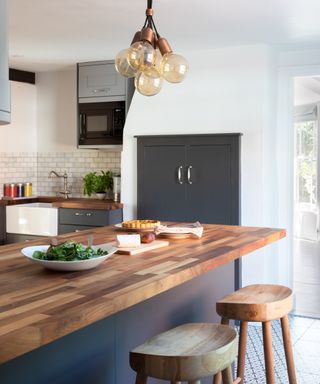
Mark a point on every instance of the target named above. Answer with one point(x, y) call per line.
point(69, 251)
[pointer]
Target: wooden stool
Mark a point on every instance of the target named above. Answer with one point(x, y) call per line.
point(260, 303)
point(187, 353)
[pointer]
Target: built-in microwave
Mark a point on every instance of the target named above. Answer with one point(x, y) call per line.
point(101, 123)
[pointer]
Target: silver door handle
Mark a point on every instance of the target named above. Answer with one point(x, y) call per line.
point(180, 181)
point(100, 90)
point(189, 174)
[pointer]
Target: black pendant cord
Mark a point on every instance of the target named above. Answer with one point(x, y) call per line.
point(145, 23)
point(149, 21)
point(155, 28)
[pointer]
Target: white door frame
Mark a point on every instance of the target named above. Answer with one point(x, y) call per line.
point(285, 156)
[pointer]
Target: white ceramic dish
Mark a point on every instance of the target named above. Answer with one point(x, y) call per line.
point(78, 265)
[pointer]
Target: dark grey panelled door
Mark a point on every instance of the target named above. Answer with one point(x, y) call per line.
point(207, 187)
point(209, 183)
point(162, 192)
point(212, 178)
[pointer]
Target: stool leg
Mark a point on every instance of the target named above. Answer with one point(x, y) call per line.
point(141, 378)
point(217, 377)
point(288, 349)
point(268, 356)
point(227, 376)
point(243, 335)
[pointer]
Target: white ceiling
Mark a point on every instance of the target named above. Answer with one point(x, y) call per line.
point(46, 34)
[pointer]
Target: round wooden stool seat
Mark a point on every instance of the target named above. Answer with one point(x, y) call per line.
point(263, 303)
point(186, 353)
point(260, 302)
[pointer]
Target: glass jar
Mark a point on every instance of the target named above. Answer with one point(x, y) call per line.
point(116, 188)
point(27, 189)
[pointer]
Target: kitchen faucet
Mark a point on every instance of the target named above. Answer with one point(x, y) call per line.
point(65, 192)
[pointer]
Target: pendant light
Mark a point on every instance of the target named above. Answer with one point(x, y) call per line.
point(150, 59)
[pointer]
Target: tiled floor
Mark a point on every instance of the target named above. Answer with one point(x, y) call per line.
point(306, 343)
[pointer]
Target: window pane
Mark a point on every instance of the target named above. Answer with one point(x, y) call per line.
point(306, 162)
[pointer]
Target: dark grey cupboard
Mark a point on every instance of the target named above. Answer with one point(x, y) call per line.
point(2, 224)
point(189, 178)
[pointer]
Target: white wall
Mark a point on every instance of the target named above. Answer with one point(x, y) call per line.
point(233, 90)
point(56, 111)
point(21, 135)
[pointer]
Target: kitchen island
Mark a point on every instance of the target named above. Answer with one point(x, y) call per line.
point(79, 327)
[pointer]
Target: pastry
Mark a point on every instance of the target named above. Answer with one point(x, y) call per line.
point(140, 224)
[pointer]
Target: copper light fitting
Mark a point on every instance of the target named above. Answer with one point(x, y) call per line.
point(150, 59)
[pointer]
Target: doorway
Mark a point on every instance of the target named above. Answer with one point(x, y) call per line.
point(306, 275)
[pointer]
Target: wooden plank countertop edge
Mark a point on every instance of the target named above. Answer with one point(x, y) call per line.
point(78, 306)
point(60, 202)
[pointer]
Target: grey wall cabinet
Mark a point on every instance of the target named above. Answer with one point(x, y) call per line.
point(75, 220)
point(4, 69)
point(100, 81)
point(189, 178)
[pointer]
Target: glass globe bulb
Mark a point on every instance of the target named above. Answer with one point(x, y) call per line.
point(174, 67)
point(141, 55)
point(122, 65)
point(148, 82)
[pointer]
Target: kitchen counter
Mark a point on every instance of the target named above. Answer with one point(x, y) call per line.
point(39, 306)
point(60, 202)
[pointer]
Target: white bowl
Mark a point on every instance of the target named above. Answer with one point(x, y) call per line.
point(77, 265)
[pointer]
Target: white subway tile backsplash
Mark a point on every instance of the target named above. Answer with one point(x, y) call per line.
point(35, 168)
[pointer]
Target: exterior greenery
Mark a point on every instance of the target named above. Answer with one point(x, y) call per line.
point(306, 162)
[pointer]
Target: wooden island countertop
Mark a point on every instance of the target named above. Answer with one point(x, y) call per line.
point(38, 306)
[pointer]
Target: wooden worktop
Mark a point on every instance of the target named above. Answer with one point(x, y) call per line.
point(60, 202)
point(38, 306)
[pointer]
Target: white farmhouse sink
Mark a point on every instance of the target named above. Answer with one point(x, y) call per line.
point(32, 219)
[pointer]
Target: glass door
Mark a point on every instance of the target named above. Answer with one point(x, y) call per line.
point(306, 176)
point(306, 271)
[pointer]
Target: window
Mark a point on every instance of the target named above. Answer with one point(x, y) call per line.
point(306, 163)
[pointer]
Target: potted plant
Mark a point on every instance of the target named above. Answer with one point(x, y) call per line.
point(98, 184)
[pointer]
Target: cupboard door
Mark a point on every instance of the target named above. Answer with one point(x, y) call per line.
point(100, 80)
point(2, 224)
point(161, 184)
point(212, 177)
point(4, 70)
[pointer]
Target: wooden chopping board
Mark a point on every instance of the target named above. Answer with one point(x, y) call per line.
point(143, 248)
point(136, 250)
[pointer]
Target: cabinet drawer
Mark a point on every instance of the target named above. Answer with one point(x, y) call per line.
point(18, 238)
point(100, 80)
point(67, 228)
point(89, 217)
